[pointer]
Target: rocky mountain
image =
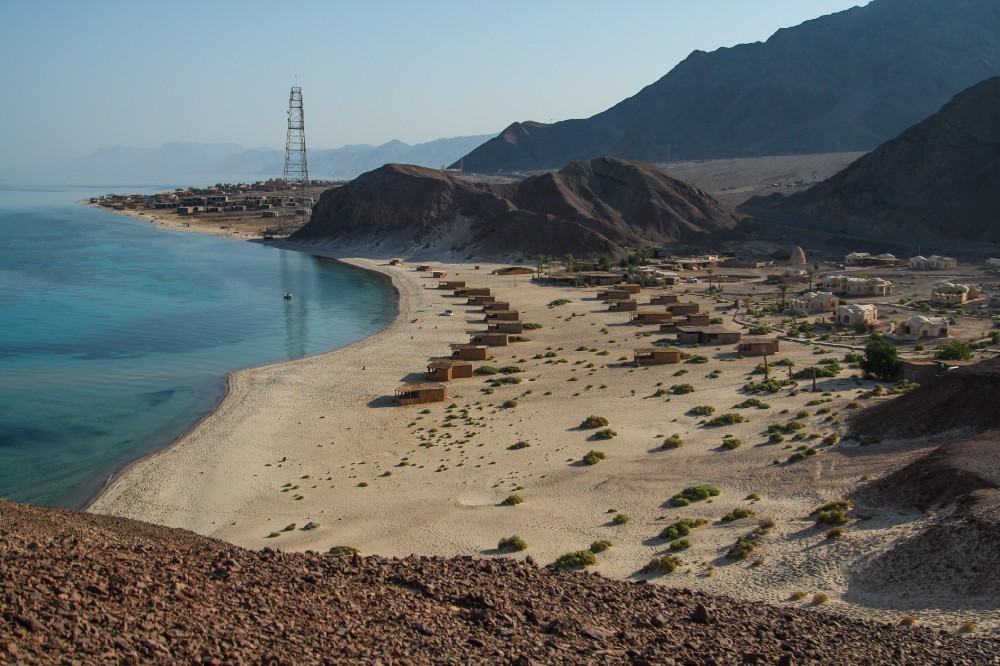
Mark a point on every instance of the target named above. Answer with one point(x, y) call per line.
point(844, 82)
point(220, 160)
point(937, 182)
point(80, 588)
point(597, 207)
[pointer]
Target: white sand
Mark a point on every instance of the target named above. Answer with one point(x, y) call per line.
point(291, 443)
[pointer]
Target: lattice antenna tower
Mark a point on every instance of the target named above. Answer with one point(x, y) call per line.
point(296, 167)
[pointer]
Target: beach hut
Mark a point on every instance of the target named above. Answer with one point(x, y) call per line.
point(514, 270)
point(419, 393)
point(656, 355)
point(664, 299)
point(505, 327)
point(629, 288)
point(623, 306)
point(423, 268)
point(481, 300)
point(438, 274)
point(650, 317)
point(446, 369)
point(614, 295)
point(470, 352)
point(503, 315)
point(490, 339)
point(395, 262)
point(707, 335)
point(758, 347)
point(683, 308)
point(496, 305)
point(468, 292)
point(451, 284)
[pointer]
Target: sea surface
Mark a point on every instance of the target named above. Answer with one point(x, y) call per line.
point(116, 337)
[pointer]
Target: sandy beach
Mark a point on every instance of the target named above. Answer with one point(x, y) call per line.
point(318, 442)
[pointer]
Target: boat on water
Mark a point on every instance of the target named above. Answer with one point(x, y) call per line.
point(288, 295)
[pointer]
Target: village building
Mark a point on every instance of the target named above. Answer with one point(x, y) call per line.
point(709, 335)
point(514, 270)
point(614, 295)
point(630, 288)
point(656, 355)
point(857, 259)
point(470, 352)
point(503, 315)
point(761, 347)
point(857, 286)
point(423, 268)
point(683, 308)
point(865, 259)
point(953, 293)
point(926, 327)
point(506, 327)
point(438, 274)
point(934, 263)
point(446, 369)
point(857, 314)
point(623, 306)
point(496, 305)
point(490, 339)
point(649, 317)
point(451, 284)
point(664, 299)
point(468, 292)
point(814, 302)
point(481, 300)
point(395, 262)
point(789, 276)
point(589, 278)
point(419, 393)
point(697, 319)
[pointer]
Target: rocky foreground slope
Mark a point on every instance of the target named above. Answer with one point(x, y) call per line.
point(597, 207)
point(80, 588)
point(937, 182)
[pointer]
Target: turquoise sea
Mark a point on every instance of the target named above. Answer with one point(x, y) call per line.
point(116, 337)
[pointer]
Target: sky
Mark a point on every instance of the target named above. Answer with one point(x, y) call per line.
point(80, 75)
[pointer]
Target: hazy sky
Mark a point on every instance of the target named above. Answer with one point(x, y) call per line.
point(80, 75)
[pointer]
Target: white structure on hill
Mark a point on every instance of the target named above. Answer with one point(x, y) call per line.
point(813, 302)
point(934, 262)
point(926, 327)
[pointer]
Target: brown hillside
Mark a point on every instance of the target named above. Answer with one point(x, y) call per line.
point(80, 588)
point(599, 207)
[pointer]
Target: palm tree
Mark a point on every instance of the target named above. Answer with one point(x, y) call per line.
point(783, 288)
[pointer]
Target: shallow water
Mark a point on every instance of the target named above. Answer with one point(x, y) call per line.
point(115, 337)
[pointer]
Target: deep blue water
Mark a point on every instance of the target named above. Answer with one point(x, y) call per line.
point(116, 337)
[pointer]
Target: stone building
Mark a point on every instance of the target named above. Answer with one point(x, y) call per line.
point(857, 286)
point(857, 314)
point(953, 293)
point(813, 302)
point(926, 327)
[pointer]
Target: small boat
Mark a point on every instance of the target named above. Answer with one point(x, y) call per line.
point(288, 295)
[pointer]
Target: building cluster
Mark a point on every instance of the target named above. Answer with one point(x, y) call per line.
point(857, 286)
point(865, 259)
point(932, 263)
point(185, 202)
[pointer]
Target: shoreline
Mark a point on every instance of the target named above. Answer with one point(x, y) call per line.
point(307, 455)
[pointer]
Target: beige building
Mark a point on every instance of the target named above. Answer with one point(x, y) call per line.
point(857, 286)
point(814, 302)
point(934, 262)
point(926, 327)
point(954, 293)
point(857, 314)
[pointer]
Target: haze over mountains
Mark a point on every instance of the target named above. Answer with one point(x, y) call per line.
point(229, 158)
point(937, 182)
point(598, 207)
point(844, 82)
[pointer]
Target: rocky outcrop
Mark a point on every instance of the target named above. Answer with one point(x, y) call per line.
point(937, 182)
point(79, 588)
point(597, 207)
point(844, 82)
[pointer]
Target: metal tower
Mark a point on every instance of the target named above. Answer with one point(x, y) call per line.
point(296, 169)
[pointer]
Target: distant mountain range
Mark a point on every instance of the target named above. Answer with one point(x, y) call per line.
point(590, 208)
point(844, 82)
point(229, 158)
point(937, 182)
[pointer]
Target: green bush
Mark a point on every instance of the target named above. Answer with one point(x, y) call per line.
point(600, 546)
point(954, 351)
point(768, 386)
point(621, 518)
point(606, 433)
point(680, 544)
point(672, 442)
point(682, 528)
point(752, 402)
point(510, 369)
point(729, 418)
point(579, 558)
point(729, 442)
point(531, 326)
point(698, 358)
point(343, 551)
point(594, 457)
point(737, 514)
point(694, 494)
point(519, 445)
point(512, 543)
point(681, 389)
point(487, 370)
point(594, 422)
point(559, 301)
point(702, 410)
point(512, 500)
point(742, 548)
point(662, 565)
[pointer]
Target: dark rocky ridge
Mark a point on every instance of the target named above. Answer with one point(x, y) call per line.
point(844, 82)
point(937, 182)
point(598, 207)
point(94, 589)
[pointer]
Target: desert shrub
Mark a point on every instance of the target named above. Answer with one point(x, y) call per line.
point(902, 386)
point(818, 371)
point(342, 551)
point(775, 438)
point(672, 442)
point(759, 329)
point(766, 523)
point(606, 433)
point(832, 517)
point(600, 546)
point(820, 598)
point(908, 621)
point(768, 386)
point(519, 445)
point(702, 410)
point(729, 418)
point(853, 357)
point(835, 532)
point(698, 358)
point(742, 548)
point(512, 500)
point(509, 404)
point(621, 518)
point(487, 370)
point(729, 442)
point(594, 422)
point(752, 497)
point(798, 595)
point(752, 402)
point(578, 558)
point(681, 389)
point(682, 528)
point(510, 369)
point(954, 351)
point(967, 626)
point(831, 439)
point(737, 514)
point(694, 494)
point(531, 326)
point(662, 565)
point(512, 543)
point(594, 457)
point(680, 544)
point(519, 338)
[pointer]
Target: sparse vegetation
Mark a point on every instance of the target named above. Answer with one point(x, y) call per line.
point(600, 546)
point(729, 442)
point(742, 548)
point(594, 422)
point(702, 410)
point(579, 558)
point(606, 433)
point(730, 418)
point(737, 514)
point(621, 518)
point(682, 528)
point(694, 494)
point(680, 544)
point(681, 389)
point(522, 444)
point(512, 500)
point(512, 543)
point(662, 565)
point(672, 442)
point(594, 457)
point(752, 402)
point(820, 598)
point(343, 551)
point(559, 301)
